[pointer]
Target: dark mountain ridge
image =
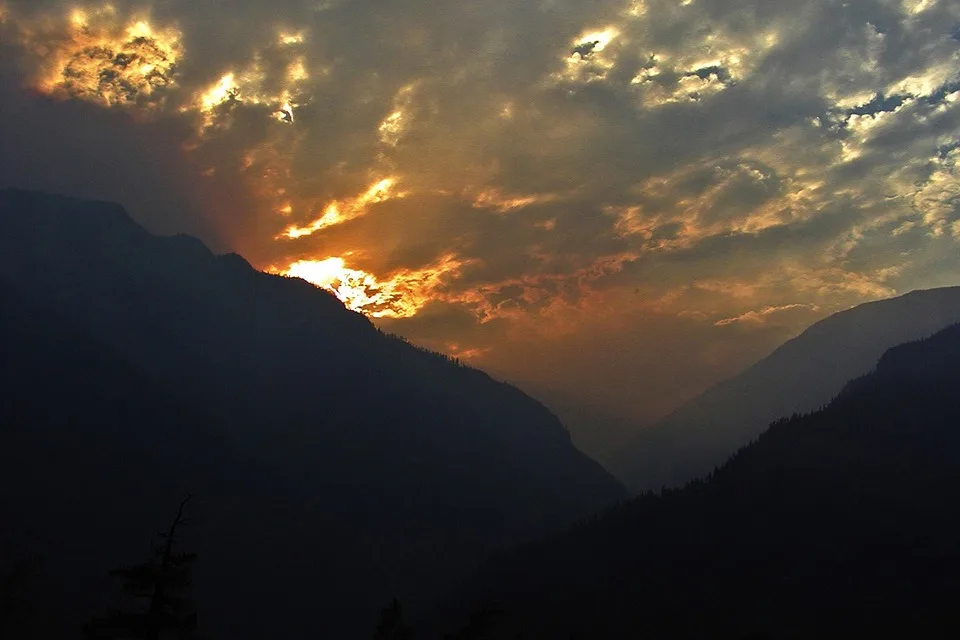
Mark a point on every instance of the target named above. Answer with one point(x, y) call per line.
point(800, 376)
point(388, 470)
point(840, 523)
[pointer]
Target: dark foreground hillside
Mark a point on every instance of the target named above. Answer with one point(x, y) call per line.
point(335, 467)
point(843, 524)
point(91, 451)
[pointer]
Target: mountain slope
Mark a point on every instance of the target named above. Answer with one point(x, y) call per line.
point(800, 376)
point(841, 523)
point(393, 468)
point(90, 449)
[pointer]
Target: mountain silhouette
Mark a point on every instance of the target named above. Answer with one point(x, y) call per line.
point(336, 466)
point(837, 524)
point(800, 376)
point(89, 448)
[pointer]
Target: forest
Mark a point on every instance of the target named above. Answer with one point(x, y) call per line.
point(176, 464)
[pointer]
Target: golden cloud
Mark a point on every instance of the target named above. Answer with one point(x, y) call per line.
point(400, 295)
point(101, 56)
point(395, 125)
point(252, 86)
point(589, 57)
point(499, 201)
point(762, 316)
point(339, 212)
point(938, 201)
point(400, 120)
point(707, 68)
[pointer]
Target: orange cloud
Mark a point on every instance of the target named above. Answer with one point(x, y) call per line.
point(340, 212)
point(100, 56)
point(400, 295)
point(569, 165)
point(762, 316)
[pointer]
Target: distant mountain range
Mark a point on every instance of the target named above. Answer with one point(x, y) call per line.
point(842, 523)
point(801, 376)
point(335, 466)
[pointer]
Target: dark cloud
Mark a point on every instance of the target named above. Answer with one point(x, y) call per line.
point(573, 194)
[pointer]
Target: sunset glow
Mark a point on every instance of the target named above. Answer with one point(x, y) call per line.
point(338, 213)
point(623, 185)
point(400, 296)
point(103, 57)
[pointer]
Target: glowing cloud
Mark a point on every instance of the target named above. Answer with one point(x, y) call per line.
point(761, 317)
point(100, 56)
point(401, 295)
point(938, 201)
point(393, 127)
point(501, 202)
point(254, 86)
point(588, 58)
point(338, 213)
point(292, 38)
point(589, 161)
point(715, 64)
point(223, 91)
point(357, 289)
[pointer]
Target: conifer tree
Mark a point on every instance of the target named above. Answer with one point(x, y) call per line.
point(392, 625)
point(483, 622)
point(14, 604)
point(159, 585)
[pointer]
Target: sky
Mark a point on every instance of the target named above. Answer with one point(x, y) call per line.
point(612, 204)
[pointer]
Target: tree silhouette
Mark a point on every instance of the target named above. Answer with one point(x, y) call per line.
point(14, 608)
point(483, 622)
point(392, 625)
point(159, 582)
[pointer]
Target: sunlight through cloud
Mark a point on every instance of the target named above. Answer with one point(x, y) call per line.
point(338, 213)
point(101, 56)
point(401, 295)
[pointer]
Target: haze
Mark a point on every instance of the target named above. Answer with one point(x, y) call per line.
point(612, 204)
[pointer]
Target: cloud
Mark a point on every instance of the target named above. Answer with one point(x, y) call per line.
point(762, 316)
point(487, 178)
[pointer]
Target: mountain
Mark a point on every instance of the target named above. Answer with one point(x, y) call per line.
point(354, 466)
point(89, 448)
point(837, 524)
point(800, 376)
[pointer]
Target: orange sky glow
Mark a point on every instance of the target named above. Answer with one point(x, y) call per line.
point(619, 202)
